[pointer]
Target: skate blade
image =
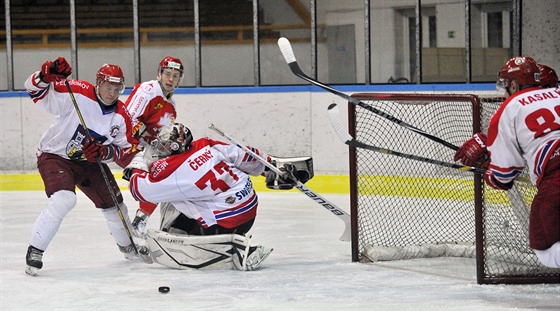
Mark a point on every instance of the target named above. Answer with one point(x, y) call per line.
point(31, 270)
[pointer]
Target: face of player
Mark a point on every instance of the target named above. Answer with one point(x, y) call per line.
point(109, 92)
point(169, 79)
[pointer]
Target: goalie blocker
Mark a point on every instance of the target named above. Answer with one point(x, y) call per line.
point(299, 167)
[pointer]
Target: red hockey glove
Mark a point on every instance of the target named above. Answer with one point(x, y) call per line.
point(473, 152)
point(57, 70)
point(494, 183)
point(94, 150)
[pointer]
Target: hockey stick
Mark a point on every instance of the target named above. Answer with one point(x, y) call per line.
point(105, 177)
point(341, 214)
point(288, 53)
point(336, 122)
point(334, 116)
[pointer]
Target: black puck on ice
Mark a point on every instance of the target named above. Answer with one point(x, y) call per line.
point(163, 289)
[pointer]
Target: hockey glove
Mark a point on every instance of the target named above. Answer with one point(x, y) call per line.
point(53, 71)
point(139, 224)
point(94, 150)
point(137, 165)
point(473, 152)
point(281, 181)
point(129, 171)
point(494, 183)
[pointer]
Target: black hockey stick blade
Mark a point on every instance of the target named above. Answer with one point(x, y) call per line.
point(336, 122)
point(341, 214)
point(288, 53)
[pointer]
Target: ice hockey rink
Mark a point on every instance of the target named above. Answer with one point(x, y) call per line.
point(309, 269)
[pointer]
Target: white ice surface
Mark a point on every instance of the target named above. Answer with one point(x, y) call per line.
point(310, 269)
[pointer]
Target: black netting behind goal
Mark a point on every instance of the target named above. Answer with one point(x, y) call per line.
point(404, 209)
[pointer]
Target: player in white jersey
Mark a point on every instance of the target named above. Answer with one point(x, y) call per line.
point(208, 182)
point(525, 129)
point(66, 159)
point(151, 107)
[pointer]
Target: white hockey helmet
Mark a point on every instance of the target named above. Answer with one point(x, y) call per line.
point(172, 139)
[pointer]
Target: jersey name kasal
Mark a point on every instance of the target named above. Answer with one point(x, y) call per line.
point(538, 97)
point(197, 162)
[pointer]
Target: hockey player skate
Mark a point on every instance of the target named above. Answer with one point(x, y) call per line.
point(34, 260)
point(130, 254)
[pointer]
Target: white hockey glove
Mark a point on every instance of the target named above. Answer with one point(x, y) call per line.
point(138, 163)
point(139, 224)
point(300, 168)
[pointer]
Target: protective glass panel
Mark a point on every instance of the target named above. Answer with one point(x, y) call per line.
point(340, 41)
point(491, 38)
point(226, 38)
point(105, 36)
point(38, 34)
point(290, 19)
point(166, 29)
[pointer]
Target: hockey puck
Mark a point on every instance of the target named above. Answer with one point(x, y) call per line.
point(163, 289)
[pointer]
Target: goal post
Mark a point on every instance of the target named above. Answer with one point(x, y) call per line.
point(404, 209)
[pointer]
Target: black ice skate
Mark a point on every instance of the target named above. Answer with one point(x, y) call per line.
point(34, 260)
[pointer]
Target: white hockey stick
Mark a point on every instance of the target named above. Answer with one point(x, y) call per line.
point(288, 53)
point(341, 214)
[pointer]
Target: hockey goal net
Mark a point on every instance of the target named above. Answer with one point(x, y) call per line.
point(404, 209)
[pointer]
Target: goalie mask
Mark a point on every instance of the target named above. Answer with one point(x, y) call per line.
point(172, 139)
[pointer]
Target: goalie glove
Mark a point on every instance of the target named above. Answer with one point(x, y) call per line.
point(301, 168)
point(281, 181)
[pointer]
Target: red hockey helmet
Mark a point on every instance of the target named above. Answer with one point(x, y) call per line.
point(171, 62)
point(524, 70)
point(111, 74)
point(549, 78)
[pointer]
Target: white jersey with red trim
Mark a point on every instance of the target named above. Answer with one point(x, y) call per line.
point(526, 127)
point(209, 182)
point(149, 107)
point(66, 134)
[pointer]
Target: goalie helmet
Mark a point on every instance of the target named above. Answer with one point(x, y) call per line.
point(172, 139)
point(524, 70)
point(549, 78)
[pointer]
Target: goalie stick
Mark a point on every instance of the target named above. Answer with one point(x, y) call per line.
point(336, 122)
point(341, 214)
point(105, 178)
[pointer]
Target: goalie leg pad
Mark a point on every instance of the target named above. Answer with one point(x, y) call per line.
point(196, 252)
point(222, 251)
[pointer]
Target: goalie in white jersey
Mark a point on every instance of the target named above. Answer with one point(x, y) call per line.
point(208, 182)
point(526, 128)
point(66, 159)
